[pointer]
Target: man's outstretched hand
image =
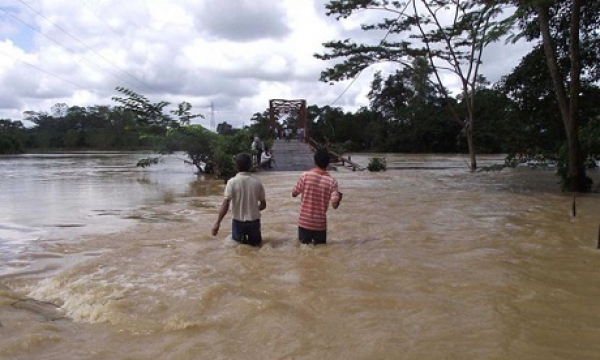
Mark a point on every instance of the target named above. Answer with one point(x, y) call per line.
point(337, 204)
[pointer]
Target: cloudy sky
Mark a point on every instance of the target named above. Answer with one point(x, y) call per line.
point(233, 54)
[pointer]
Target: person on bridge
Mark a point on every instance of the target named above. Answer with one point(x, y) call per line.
point(257, 148)
point(300, 133)
point(247, 194)
point(318, 189)
point(266, 159)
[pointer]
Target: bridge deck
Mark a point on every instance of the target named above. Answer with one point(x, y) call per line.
point(292, 155)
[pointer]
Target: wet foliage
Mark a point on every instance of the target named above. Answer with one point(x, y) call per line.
point(377, 164)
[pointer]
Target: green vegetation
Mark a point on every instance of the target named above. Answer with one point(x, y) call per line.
point(210, 153)
point(11, 137)
point(547, 109)
point(429, 38)
point(377, 164)
point(136, 124)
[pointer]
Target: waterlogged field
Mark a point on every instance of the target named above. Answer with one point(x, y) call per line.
point(424, 261)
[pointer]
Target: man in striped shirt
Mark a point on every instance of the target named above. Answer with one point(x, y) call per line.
point(318, 189)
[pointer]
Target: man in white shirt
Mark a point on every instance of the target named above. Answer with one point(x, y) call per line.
point(246, 194)
point(257, 147)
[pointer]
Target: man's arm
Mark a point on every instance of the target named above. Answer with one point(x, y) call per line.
point(262, 204)
point(262, 198)
point(222, 212)
point(336, 199)
point(335, 204)
point(298, 187)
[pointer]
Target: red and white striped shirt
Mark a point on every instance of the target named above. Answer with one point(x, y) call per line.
point(317, 188)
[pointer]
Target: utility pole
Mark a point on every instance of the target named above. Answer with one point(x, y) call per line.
point(212, 116)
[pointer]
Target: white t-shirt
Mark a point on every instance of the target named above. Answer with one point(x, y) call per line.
point(245, 191)
point(257, 145)
point(264, 157)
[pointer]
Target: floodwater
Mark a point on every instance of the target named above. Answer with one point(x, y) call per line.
point(101, 260)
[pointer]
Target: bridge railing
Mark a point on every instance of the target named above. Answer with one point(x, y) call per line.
point(347, 162)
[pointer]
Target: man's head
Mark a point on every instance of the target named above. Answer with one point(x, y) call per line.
point(243, 162)
point(322, 158)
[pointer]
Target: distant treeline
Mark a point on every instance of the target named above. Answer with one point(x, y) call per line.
point(401, 118)
point(97, 128)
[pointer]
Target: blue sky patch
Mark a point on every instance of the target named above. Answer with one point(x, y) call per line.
point(16, 29)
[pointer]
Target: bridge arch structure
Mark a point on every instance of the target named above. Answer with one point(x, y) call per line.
point(284, 106)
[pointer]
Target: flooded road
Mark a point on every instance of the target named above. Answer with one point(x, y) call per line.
point(426, 262)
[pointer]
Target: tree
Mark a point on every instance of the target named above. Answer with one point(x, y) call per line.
point(47, 132)
point(494, 111)
point(537, 129)
point(11, 136)
point(225, 147)
point(59, 110)
point(412, 109)
point(570, 40)
point(151, 116)
point(260, 126)
point(224, 128)
point(324, 123)
point(209, 152)
point(455, 46)
point(184, 112)
point(568, 104)
point(168, 134)
point(196, 141)
point(590, 138)
point(350, 130)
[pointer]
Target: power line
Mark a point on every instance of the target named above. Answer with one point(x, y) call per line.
point(45, 71)
point(101, 19)
point(212, 116)
point(65, 47)
point(380, 42)
point(214, 111)
point(85, 45)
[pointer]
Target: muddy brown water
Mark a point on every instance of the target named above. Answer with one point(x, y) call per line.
point(422, 263)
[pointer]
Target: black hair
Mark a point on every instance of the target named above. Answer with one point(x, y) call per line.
point(243, 162)
point(322, 158)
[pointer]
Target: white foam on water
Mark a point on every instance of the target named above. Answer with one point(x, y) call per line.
point(14, 240)
point(12, 234)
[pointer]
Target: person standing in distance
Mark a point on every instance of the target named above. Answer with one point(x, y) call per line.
point(246, 194)
point(318, 189)
point(257, 146)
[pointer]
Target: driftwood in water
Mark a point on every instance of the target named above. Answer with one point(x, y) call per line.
point(574, 207)
point(345, 162)
point(354, 166)
point(47, 310)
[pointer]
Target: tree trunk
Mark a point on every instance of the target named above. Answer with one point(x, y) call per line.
point(470, 126)
point(569, 108)
point(471, 144)
point(576, 160)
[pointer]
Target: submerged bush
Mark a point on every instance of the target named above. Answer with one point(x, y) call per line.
point(377, 164)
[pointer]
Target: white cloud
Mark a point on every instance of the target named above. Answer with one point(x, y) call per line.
point(235, 54)
point(243, 20)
